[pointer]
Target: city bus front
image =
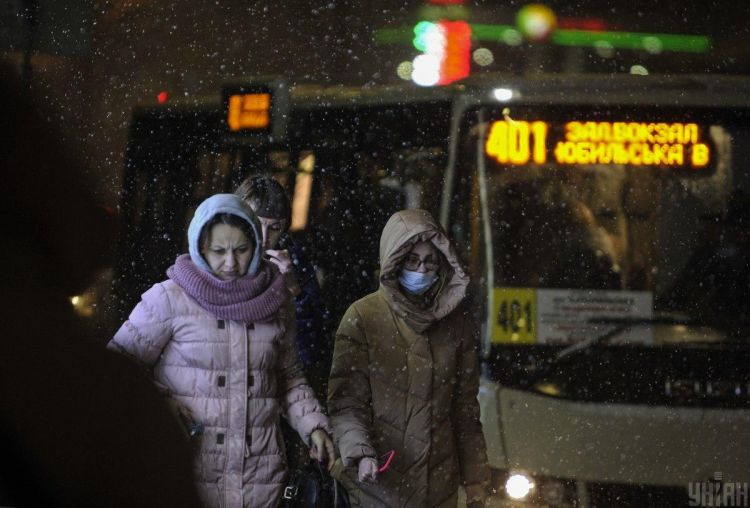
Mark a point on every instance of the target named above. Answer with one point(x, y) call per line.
point(607, 229)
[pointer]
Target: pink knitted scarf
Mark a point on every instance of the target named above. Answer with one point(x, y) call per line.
point(248, 299)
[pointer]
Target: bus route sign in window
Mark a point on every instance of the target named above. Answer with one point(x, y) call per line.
point(566, 316)
point(256, 111)
point(249, 111)
point(665, 144)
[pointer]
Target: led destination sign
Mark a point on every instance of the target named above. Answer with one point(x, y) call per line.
point(677, 145)
point(249, 111)
point(256, 111)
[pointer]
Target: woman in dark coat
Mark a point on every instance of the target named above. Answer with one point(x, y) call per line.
point(405, 377)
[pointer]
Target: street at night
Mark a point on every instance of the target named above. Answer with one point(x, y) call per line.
point(400, 254)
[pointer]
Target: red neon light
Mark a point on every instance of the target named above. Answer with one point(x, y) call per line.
point(455, 64)
point(162, 97)
point(591, 24)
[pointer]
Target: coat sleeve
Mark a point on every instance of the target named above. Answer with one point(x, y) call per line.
point(313, 318)
point(472, 450)
point(303, 411)
point(349, 392)
point(148, 328)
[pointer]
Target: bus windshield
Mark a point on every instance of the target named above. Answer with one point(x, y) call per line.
point(613, 213)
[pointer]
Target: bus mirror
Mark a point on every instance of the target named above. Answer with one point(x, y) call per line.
point(256, 112)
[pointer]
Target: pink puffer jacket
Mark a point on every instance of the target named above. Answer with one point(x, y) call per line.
point(236, 380)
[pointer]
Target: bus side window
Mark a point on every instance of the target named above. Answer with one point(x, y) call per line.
point(348, 210)
point(418, 174)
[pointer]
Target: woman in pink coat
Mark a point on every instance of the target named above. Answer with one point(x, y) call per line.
point(218, 335)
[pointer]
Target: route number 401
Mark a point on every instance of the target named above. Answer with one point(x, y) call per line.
point(514, 316)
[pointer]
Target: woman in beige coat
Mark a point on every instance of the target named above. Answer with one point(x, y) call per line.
point(405, 378)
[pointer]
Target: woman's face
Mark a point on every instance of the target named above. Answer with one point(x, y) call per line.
point(227, 251)
point(423, 258)
point(272, 230)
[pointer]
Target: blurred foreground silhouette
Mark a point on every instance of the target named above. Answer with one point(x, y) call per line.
point(79, 426)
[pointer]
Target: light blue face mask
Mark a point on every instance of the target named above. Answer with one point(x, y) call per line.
point(417, 283)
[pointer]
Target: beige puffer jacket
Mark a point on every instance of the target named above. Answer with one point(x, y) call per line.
point(405, 378)
point(236, 379)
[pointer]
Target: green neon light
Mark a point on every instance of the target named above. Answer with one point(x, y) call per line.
point(619, 40)
point(421, 31)
point(402, 35)
point(492, 32)
point(437, 12)
point(633, 40)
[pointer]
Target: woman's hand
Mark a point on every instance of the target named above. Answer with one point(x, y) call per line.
point(280, 258)
point(368, 470)
point(185, 416)
point(321, 448)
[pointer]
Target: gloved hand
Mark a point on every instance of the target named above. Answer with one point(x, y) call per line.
point(368, 470)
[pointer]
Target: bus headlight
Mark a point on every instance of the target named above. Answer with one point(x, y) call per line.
point(518, 486)
point(503, 94)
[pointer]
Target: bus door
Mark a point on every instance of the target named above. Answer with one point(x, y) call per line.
point(356, 165)
point(610, 247)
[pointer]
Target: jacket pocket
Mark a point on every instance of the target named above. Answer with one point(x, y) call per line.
point(211, 458)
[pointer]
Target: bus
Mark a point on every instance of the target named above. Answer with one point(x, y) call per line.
point(341, 154)
point(605, 224)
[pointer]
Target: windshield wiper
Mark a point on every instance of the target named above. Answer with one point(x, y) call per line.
point(621, 324)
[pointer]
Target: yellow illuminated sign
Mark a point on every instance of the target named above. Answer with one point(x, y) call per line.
point(514, 316)
point(249, 111)
point(632, 143)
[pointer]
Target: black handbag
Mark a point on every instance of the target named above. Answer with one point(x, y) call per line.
point(312, 487)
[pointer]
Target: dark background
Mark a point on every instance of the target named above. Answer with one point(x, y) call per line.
point(91, 62)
